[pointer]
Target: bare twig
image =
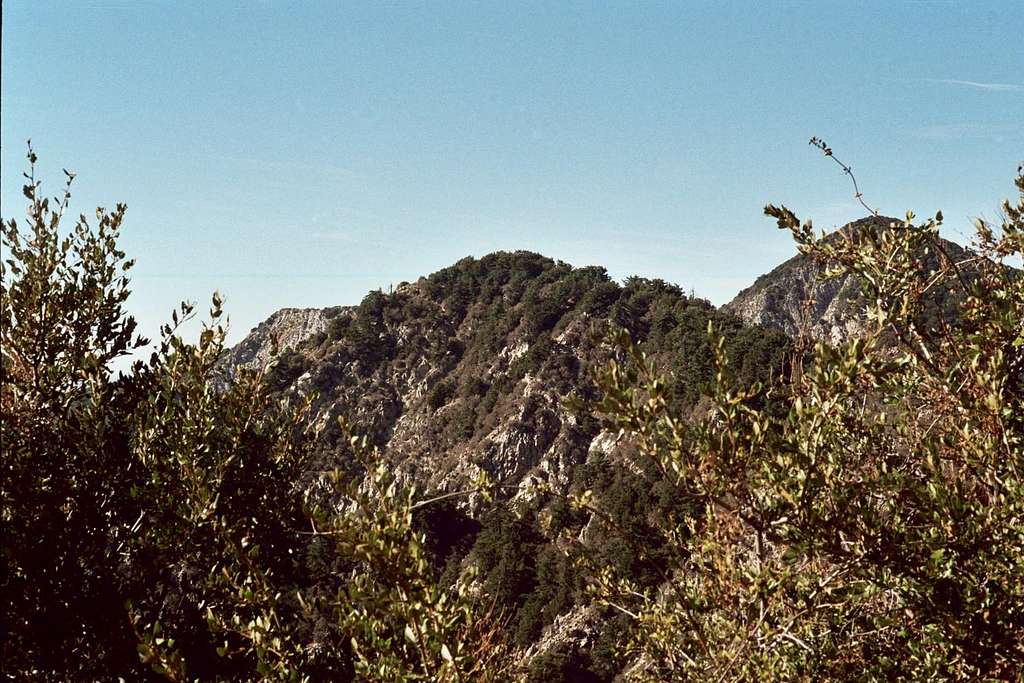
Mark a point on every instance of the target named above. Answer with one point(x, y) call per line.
point(827, 151)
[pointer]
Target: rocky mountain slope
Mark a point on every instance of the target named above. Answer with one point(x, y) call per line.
point(282, 331)
point(467, 370)
point(796, 299)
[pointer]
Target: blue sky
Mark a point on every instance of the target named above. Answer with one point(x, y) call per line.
point(301, 154)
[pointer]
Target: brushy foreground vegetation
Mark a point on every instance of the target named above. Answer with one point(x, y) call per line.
point(860, 517)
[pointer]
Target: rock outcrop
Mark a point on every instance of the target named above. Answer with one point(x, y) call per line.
point(797, 299)
point(285, 329)
point(467, 370)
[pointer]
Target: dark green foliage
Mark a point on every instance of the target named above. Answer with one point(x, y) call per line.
point(288, 366)
point(482, 327)
point(561, 667)
point(599, 299)
point(505, 551)
point(339, 326)
point(857, 521)
point(461, 422)
point(112, 485)
point(66, 472)
point(634, 505)
point(440, 394)
point(369, 334)
point(518, 307)
point(450, 531)
point(672, 329)
point(553, 592)
point(523, 572)
point(164, 524)
point(130, 504)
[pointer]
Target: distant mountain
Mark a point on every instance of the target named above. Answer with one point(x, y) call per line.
point(468, 369)
point(795, 299)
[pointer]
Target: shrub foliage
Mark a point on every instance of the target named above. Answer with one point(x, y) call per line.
point(162, 524)
point(872, 528)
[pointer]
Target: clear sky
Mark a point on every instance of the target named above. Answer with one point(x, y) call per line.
point(301, 154)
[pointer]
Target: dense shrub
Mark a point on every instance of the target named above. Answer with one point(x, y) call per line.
point(163, 523)
point(868, 525)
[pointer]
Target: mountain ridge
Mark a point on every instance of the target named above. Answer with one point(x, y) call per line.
point(466, 371)
point(776, 299)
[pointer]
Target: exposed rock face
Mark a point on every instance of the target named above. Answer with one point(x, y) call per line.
point(291, 326)
point(796, 298)
point(467, 369)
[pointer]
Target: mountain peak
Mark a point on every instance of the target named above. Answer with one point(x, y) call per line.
point(796, 298)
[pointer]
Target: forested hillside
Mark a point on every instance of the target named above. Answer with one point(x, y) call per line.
point(468, 370)
point(469, 367)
